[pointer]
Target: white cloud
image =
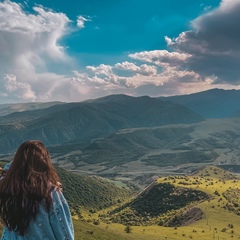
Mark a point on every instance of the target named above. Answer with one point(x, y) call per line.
point(42, 30)
point(81, 21)
point(160, 57)
point(103, 75)
point(143, 69)
point(29, 46)
point(102, 69)
point(20, 89)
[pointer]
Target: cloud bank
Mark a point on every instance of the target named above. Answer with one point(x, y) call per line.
point(29, 47)
point(204, 57)
point(213, 44)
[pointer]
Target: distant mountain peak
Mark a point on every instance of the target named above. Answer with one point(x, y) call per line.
point(213, 103)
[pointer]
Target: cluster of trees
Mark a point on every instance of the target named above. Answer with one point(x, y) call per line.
point(161, 199)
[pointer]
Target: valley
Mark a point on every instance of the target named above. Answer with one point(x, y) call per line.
point(150, 154)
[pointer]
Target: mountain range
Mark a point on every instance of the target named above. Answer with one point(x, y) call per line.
point(87, 120)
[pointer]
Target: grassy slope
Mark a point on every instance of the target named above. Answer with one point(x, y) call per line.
point(220, 220)
point(90, 193)
point(215, 182)
point(101, 232)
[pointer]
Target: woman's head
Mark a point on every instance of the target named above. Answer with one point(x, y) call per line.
point(32, 158)
point(31, 167)
point(28, 182)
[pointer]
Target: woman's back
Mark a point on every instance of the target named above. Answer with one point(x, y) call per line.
point(53, 225)
point(33, 207)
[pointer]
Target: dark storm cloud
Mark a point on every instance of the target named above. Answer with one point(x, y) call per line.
point(213, 43)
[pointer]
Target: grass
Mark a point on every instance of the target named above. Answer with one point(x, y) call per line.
point(83, 231)
point(198, 231)
point(219, 222)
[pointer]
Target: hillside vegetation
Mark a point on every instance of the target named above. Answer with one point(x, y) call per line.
point(205, 205)
point(90, 194)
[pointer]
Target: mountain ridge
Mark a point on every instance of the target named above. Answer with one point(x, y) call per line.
point(87, 120)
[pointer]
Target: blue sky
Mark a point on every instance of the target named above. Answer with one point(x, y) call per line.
point(76, 50)
point(116, 28)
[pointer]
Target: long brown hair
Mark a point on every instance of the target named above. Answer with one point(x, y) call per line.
point(28, 182)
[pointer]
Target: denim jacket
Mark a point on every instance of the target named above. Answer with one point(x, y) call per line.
point(53, 225)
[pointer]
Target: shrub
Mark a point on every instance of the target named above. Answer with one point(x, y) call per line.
point(96, 222)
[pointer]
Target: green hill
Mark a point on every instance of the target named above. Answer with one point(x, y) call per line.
point(205, 205)
point(90, 194)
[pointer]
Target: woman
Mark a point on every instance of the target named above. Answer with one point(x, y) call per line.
point(32, 205)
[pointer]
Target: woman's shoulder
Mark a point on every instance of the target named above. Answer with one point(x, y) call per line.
point(57, 196)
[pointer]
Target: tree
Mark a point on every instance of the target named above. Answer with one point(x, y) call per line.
point(128, 229)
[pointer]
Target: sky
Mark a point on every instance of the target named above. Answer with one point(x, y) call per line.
point(75, 50)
